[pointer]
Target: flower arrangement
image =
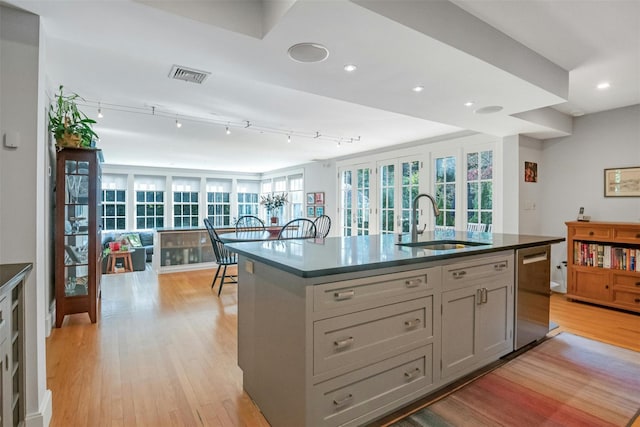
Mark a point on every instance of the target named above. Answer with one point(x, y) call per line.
point(273, 201)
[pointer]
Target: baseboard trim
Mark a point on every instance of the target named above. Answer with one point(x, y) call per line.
point(42, 418)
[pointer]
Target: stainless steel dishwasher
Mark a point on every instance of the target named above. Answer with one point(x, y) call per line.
point(533, 294)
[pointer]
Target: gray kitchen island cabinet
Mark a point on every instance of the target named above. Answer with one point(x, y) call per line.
point(341, 331)
point(477, 313)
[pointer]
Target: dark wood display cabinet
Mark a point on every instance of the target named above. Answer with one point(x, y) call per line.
point(78, 232)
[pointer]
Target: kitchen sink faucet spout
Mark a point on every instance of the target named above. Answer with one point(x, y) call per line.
point(414, 214)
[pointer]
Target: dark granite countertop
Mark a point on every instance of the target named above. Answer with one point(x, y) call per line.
point(335, 255)
point(11, 273)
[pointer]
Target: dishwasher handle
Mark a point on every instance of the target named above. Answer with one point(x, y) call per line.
point(533, 258)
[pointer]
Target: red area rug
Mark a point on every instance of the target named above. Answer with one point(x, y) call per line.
point(565, 381)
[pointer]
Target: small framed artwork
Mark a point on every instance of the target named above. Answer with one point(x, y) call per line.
point(311, 198)
point(311, 212)
point(319, 198)
point(530, 172)
point(319, 210)
point(622, 182)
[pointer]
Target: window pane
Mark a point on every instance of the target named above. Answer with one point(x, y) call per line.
point(110, 196)
point(450, 169)
point(472, 195)
point(121, 223)
point(451, 196)
point(472, 166)
point(120, 196)
point(159, 197)
point(439, 170)
point(177, 210)
point(139, 196)
point(150, 210)
point(194, 197)
point(486, 164)
point(120, 210)
point(110, 224)
point(177, 197)
point(486, 218)
point(486, 188)
point(140, 210)
point(149, 196)
point(140, 223)
point(110, 210)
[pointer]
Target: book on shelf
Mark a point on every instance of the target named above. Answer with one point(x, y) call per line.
point(606, 256)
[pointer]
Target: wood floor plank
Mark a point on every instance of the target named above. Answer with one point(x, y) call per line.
point(164, 353)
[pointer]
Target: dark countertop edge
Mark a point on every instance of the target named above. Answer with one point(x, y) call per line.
point(308, 274)
point(20, 269)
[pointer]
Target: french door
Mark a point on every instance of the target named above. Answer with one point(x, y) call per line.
point(399, 183)
point(355, 199)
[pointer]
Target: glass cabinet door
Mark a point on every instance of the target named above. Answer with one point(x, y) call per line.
point(76, 228)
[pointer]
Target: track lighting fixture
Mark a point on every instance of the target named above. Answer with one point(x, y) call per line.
point(246, 124)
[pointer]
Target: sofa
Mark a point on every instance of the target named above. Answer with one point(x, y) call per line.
point(140, 255)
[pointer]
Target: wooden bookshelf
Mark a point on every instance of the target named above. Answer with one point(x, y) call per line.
point(602, 263)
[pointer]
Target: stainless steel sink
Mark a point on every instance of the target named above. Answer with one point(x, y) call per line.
point(443, 245)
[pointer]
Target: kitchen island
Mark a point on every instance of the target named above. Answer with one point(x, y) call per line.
point(342, 331)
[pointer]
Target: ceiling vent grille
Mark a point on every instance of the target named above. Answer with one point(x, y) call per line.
point(188, 74)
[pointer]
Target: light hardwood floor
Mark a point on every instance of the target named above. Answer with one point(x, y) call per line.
point(164, 353)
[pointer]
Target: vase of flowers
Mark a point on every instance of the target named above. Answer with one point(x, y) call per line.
point(272, 202)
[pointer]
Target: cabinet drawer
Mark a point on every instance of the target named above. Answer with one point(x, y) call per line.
point(361, 291)
point(630, 234)
point(354, 339)
point(354, 395)
point(627, 298)
point(466, 273)
point(591, 232)
point(630, 280)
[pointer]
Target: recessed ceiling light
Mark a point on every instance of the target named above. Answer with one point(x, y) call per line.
point(349, 68)
point(604, 85)
point(308, 52)
point(488, 110)
point(468, 103)
point(418, 89)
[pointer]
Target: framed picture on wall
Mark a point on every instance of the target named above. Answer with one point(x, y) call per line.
point(311, 198)
point(319, 210)
point(622, 182)
point(311, 212)
point(319, 198)
point(530, 172)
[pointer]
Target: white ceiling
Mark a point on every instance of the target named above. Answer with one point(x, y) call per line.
point(119, 53)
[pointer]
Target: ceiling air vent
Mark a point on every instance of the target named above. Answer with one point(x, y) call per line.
point(188, 74)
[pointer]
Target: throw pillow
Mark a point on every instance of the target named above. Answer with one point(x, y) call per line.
point(146, 238)
point(134, 240)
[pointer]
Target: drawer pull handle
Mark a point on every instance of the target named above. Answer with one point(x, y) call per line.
point(637, 300)
point(409, 375)
point(459, 274)
point(591, 233)
point(344, 295)
point(344, 400)
point(412, 283)
point(638, 236)
point(500, 267)
point(412, 323)
point(637, 283)
point(343, 343)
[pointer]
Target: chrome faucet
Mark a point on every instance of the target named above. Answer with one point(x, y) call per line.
point(414, 214)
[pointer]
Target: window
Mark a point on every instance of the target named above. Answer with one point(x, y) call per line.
point(387, 198)
point(445, 189)
point(362, 205)
point(346, 202)
point(114, 202)
point(114, 209)
point(149, 209)
point(296, 196)
point(218, 202)
point(185, 202)
point(248, 200)
point(480, 188)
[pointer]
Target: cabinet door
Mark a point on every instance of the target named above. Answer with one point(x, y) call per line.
point(593, 284)
point(6, 391)
point(495, 332)
point(459, 329)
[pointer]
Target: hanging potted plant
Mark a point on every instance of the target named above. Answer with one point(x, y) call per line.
point(70, 126)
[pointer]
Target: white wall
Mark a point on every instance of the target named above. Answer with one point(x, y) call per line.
point(22, 190)
point(572, 170)
point(323, 176)
point(530, 193)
